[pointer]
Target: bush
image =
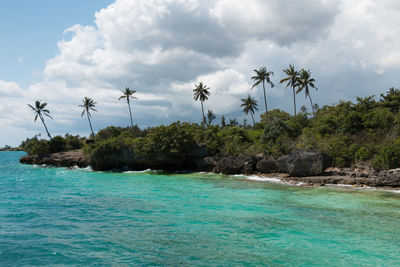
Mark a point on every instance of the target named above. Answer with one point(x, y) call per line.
point(35, 146)
point(57, 144)
point(388, 156)
point(73, 142)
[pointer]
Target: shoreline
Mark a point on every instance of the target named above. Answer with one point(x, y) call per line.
point(282, 178)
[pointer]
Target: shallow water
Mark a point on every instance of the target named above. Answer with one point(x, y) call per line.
point(54, 216)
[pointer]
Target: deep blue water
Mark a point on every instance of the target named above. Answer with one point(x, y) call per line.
point(56, 217)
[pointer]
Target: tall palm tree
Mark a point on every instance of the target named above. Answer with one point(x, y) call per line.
point(249, 105)
point(201, 91)
point(263, 76)
point(128, 93)
point(305, 83)
point(40, 110)
point(292, 80)
point(88, 105)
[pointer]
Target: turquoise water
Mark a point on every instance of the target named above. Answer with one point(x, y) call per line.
point(55, 216)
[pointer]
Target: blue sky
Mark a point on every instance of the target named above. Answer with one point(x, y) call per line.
point(30, 31)
point(61, 51)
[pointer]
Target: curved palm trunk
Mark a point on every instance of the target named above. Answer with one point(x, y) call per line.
point(294, 100)
point(48, 134)
point(254, 123)
point(90, 123)
point(202, 110)
point(130, 113)
point(265, 101)
point(312, 107)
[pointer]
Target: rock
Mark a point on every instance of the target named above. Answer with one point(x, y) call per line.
point(267, 165)
point(235, 165)
point(282, 164)
point(206, 164)
point(303, 163)
point(245, 164)
point(62, 159)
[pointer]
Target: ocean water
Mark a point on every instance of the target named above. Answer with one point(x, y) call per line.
point(58, 217)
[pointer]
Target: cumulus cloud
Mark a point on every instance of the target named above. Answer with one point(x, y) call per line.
point(162, 48)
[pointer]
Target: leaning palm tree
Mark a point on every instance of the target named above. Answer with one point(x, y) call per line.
point(249, 105)
point(263, 76)
point(292, 80)
point(305, 83)
point(88, 105)
point(40, 110)
point(128, 93)
point(201, 91)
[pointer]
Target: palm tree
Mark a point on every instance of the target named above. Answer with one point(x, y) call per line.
point(201, 92)
point(210, 116)
point(262, 75)
point(249, 105)
point(40, 110)
point(305, 83)
point(128, 93)
point(292, 80)
point(88, 105)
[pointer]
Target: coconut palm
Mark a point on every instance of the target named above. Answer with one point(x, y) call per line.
point(249, 105)
point(201, 91)
point(128, 93)
point(292, 80)
point(305, 83)
point(263, 76)
point(40, 110)
point(88, 105)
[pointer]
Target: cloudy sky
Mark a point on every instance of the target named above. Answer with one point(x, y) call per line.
point(61, 51)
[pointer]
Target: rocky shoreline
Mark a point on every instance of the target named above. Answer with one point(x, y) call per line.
point(307, 168)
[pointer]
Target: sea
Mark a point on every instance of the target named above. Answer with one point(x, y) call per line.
point(78, 217)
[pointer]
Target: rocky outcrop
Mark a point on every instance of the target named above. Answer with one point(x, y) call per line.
point(303, 163)
point(62, 159)
point(267, 165)
point(234, 165)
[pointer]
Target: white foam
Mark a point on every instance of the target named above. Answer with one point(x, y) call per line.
point(263, 179)
point(144, 171)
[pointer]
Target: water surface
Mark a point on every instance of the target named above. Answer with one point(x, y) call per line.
point(55, 216)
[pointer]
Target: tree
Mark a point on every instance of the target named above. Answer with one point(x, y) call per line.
point(249, 105)
point(210, 116)
point(223, 123)
point(88, 105)
point(263, 76)
point(40, 110)
point(201, 91)
point(292, 80)
point(128, 93)
point(306, 82)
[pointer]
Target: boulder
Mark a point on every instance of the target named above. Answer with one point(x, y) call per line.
point(267, 165)
point(235, 165)
point(303, 163)
point(282, 164)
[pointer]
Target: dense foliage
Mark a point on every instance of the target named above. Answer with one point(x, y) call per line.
point(367, 131)
point(57, 144)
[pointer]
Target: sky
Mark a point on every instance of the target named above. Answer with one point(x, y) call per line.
point(61, 51)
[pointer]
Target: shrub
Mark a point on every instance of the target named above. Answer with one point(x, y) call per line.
point(35, 146)
point(57, 144)
point(388, 157)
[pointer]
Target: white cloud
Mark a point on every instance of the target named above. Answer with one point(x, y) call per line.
point(163, 48)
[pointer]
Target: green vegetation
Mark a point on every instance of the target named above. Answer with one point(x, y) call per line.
point(57, 144)
point(40, 111)
point(263, 76)
point(88, 105)
point(249, 105)
point(367, 131)
point(201, 92)
point(128, 94)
